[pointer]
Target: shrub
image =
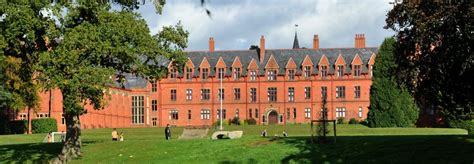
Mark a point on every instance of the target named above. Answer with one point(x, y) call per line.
point(364, 122)
point(235, 121)
point(251, 121)
point(340, 120)
point(462, 124)
point(44, 125)
point(353, 121)
point(18, 126)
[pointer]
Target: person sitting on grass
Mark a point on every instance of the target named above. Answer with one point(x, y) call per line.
point(264, 133)
point(50, 136)
point(285, 134)
point(114, 135)
point(121, 136)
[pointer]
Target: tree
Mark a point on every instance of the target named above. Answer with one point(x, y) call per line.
point(390, 103)
point(83, 48)
point(23, 29)
point(435, 54)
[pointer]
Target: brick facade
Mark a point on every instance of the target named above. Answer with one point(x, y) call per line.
point(288, 83)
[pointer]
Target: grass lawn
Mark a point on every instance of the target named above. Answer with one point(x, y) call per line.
point(355, 144)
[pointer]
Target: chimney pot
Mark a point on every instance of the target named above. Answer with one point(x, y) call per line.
point(316, 42)
point(360, 41)
point(262, 49)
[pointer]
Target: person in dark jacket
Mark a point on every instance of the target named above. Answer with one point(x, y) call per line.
point(167, 132)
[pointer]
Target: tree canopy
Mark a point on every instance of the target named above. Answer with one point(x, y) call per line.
point(82, 48)
point(390, 103)
point(435, 53)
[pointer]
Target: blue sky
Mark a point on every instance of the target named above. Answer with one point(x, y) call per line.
point(236, 25)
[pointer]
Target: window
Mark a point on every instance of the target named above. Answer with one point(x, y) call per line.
point(205, 114)
point(271, 75)
point(236, 73)
point(23, 116)
point(173, 114)
point(324, 71)
point(256, 113)
point(291, 74)
point(253, 94)
point(173, 95)
point(340, 70)
point(154, 120)
point(250, 113)
point(138, 109)
point(307, 92)
point(324, 92)
point(236, 93)
point(173, 73)
point(360, 112)
point(220, 94)
point(205, 73)
point(219, 114)
point(357, 70)
point(153, 86)
point(288, 114)
point(371, 67)
point(154, 105)
point(189, 94)
point(307, 113)
point(63, 120)
point(220, 72)
point(253, 75)
point(294, 113)
point(340, 92)
point(189, 114)
point(340, 112)
point(189, 73)
point(291, 94)
point(272, 94)
point(356, 91)
point(307, 71)
point(205, 94)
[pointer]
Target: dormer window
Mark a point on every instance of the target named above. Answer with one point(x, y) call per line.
point(291, 74)
point(236, 73)
point(173, 73)
point(357, 70)
point(340, 70)
point(220, 73)
point(189, 73)
point(253, 75)
point(307, 71)
point(205, 73)
point(271, 75)
point(324, 71)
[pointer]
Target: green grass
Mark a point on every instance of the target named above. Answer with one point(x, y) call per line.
point(355, 144)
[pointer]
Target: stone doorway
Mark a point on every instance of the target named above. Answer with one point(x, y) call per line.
point(273, 117)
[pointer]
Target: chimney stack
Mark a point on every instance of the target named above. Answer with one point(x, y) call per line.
point(316, 42)
point(262, 49)
point(211, 44)
point(360, 41)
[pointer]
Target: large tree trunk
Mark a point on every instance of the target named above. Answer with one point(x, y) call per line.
point(72, 147)
point(29, 121)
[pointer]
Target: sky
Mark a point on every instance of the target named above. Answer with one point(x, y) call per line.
point(236, 25)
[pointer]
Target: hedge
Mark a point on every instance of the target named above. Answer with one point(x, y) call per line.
point(44, 125)
point(18, 127)
point(251, 121)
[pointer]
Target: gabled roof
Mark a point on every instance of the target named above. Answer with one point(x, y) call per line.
point(291, 64)
point(271, 63)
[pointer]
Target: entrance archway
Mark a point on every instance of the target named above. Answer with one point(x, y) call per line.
point(273, 117)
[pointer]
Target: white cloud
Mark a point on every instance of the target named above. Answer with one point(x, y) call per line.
point(237, 25)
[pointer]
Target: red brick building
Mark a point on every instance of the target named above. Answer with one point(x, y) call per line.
point(273, 86)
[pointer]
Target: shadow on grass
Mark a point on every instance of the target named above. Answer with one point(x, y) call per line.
point(384, 149)
point(31, 152)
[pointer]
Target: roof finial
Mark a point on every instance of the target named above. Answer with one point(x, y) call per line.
point(296, 45)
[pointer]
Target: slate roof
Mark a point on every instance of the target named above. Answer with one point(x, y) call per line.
point(282, 56)
point(133, 81)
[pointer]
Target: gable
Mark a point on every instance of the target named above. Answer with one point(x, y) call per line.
point(290, 64)
point(220, 63)
point(189, 63)
point(237, 62)
point(340, 61)
point(356, 60)
point(252, 64)
point(205, 63)
point(323, 60)
point(307, 61)
point(272, 63)
point(372, 59)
